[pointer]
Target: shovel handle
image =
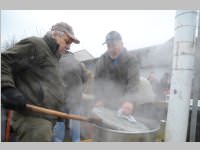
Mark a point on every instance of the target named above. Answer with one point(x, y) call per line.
point(55, 113)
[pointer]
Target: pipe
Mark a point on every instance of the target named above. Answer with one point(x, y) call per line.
point(182, 73)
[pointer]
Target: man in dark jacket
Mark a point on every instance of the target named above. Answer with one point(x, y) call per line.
point(117, 76)
point(30, 75)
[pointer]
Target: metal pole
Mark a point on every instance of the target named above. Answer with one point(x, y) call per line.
point(196, 88)
point(182, 73)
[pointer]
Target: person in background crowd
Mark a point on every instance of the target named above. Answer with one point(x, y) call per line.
point(75, 75)
point(155, 85)
point(30, 75)
point(165, 84)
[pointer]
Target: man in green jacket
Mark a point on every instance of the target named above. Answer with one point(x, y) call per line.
point(30, 75)
point(117, 76)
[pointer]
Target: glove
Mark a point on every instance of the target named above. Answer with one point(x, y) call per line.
point(12, 98)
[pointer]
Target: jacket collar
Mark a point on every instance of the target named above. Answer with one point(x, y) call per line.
point(121, 54)
point(52, 45)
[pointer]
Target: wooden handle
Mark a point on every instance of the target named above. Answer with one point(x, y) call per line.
point(55, 113)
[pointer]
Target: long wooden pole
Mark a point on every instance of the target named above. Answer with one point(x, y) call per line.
point(55, 113)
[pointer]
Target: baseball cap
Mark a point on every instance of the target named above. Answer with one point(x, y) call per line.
point(64, 27)
point(112, 36)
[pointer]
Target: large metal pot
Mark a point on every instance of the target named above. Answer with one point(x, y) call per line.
point(104, 134)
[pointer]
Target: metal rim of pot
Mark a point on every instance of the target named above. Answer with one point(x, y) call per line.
point(129, 132)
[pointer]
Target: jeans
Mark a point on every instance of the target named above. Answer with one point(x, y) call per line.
point(59, 132)
point(59, 128)
point(75, 125)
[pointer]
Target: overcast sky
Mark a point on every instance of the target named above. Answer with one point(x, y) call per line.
point(139, 28)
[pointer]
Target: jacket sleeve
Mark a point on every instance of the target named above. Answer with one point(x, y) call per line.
point(14, 60)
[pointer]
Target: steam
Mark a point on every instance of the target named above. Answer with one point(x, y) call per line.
point(110, 92)
point(156, 58)
point(113, 92)
point(72, 79)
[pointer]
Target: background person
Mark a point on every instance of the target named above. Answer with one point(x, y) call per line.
point(75, 75)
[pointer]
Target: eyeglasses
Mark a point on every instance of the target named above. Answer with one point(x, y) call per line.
point(68, 41)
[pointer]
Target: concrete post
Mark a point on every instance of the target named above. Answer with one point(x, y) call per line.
point(182, 74)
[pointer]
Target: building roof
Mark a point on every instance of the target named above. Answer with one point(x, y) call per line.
point(83, 55)
point(155, 56)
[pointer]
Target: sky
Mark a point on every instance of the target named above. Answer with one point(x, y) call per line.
point(138, 28)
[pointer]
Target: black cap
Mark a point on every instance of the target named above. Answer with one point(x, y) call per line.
point(112, 36)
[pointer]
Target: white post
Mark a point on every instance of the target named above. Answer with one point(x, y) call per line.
point(182, 73)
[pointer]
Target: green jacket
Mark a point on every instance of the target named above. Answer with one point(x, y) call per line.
point(32, 66)
point(116, 83)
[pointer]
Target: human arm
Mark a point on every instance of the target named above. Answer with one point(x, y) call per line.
point(132, 85)
point(13, 61)
point(12, 98)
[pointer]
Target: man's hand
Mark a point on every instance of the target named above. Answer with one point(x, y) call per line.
point(127, 108)
point(12, 98)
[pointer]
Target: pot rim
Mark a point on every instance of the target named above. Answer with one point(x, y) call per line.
point(128, 132)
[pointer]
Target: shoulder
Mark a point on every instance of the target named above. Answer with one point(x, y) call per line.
point(36, 42)
point(25, 46)
point(33, 39)
point(131, 58)
point(104, 57)
point(101, 60)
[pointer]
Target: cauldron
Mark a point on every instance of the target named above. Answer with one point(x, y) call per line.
point(103, 133)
